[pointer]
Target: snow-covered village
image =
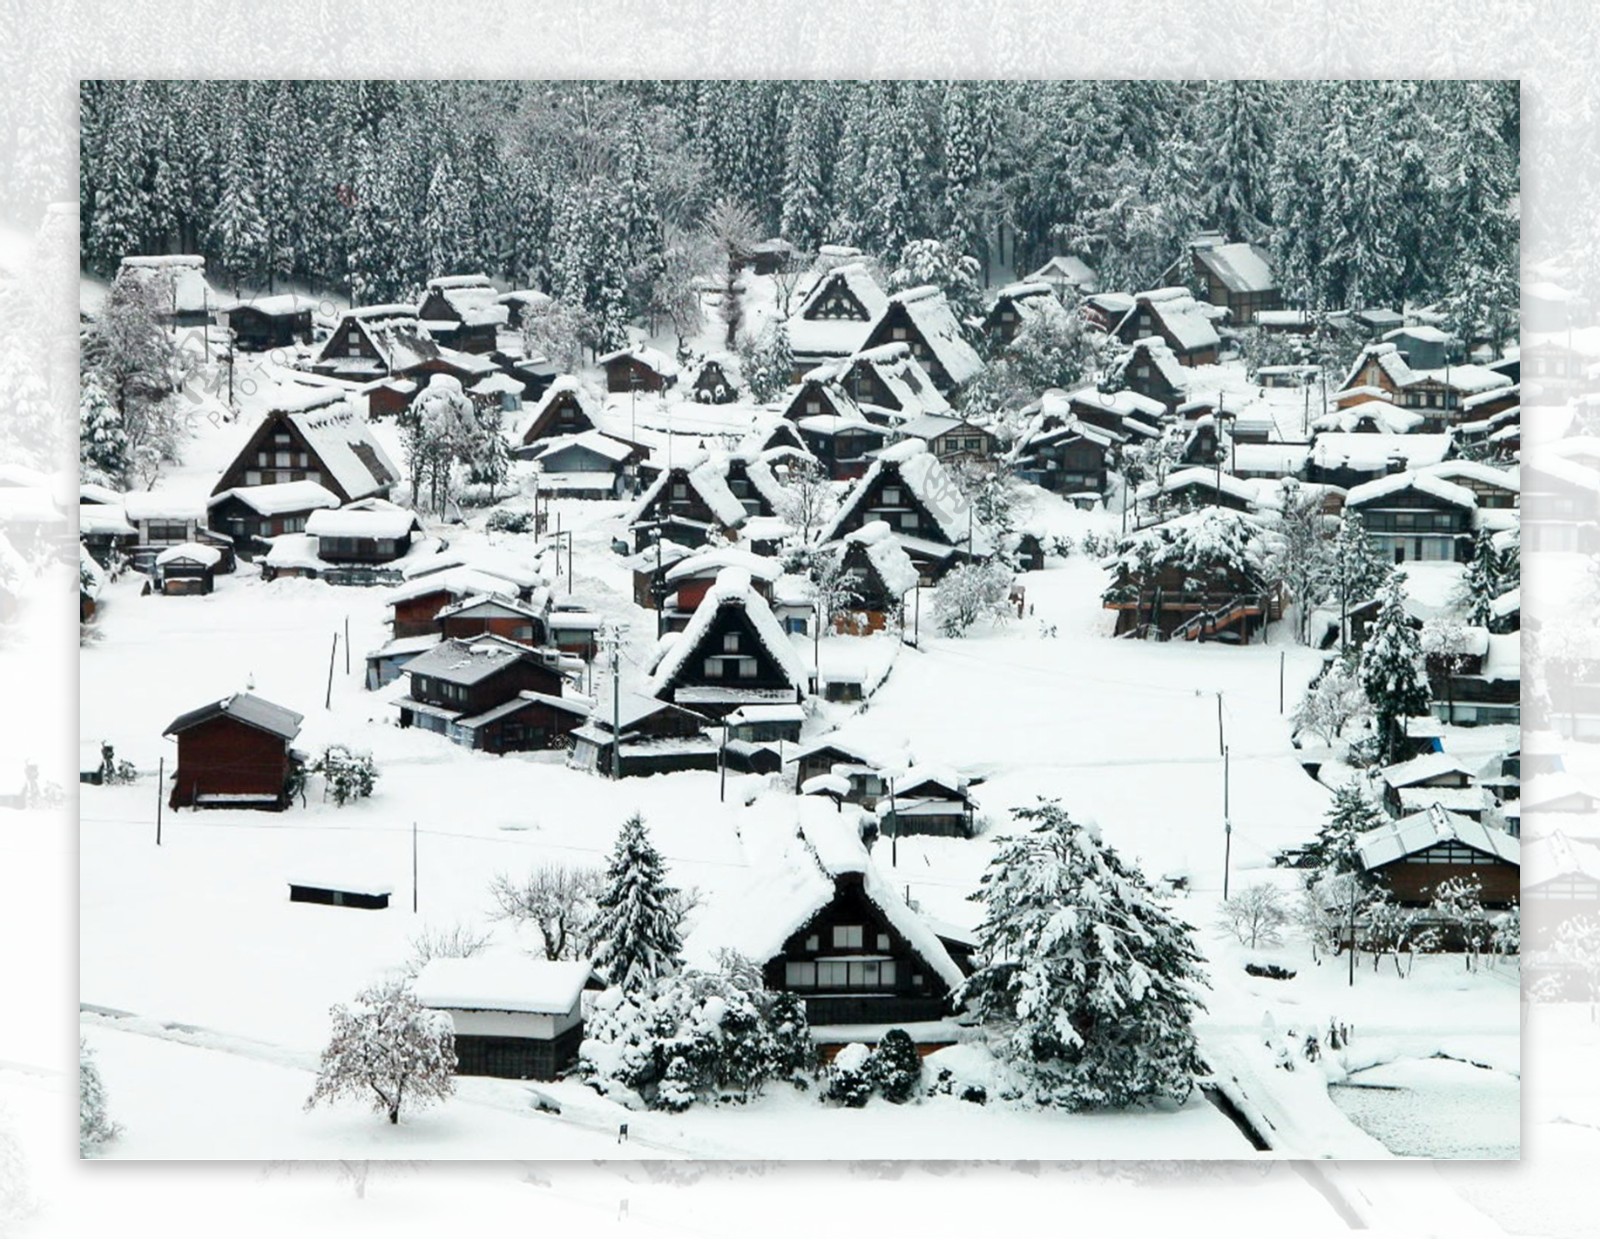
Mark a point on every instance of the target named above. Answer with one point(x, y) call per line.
point(808, 620)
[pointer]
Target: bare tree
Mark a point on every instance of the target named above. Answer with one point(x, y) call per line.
point(1332, 704)
point(676, 294)
point(787, 279)
point(456, 941)
point(732, 227)
point(807, 498)
point(558, 901)
point(389, 1049)
point(1256, 916)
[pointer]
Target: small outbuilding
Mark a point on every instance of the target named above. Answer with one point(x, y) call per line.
point(514, 1017)
point(234, 753)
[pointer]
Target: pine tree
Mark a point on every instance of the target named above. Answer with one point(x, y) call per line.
point(769, 363)
point(94, 1126)
point(1234, 130)
point(102, 443)
point(1355, 571)
point(637, 917)
point(1480, 584)
point(807, 155)
point(1392, 669)
point(121, 221)
point(1350, 816)
point(238, 230)
point(445, 222)
point(1089, 981)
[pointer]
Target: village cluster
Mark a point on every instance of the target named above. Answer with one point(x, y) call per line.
point(782, 659)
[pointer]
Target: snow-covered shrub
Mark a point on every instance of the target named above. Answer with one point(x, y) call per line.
point(511, 521)
point(1458, 904)
point(849, 1078)
point(694, 1036)
point(348, 775)
point(973, 592)
point(1256, 916)
point(1505, 933)
point(895, 1067)
point(94, 1126)
point(115, 770)
point(389, 1049)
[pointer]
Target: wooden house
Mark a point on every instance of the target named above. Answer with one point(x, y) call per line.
point(362, 544)
point(829, 929)
point(1070, 459)
point(514, 1017)
point(1238, 277)
point(463, 312)
point(1152, 370)
point(375, 342)
point(832, 753)
point(488, 693)
point(104, 529)
point(386, 664)
point(1415, 854)
point(1430, 779)
point(188, 568)
point(1415, 516)
point(732, 653)
point(833, 428)
point(715, 380)
point(319, 439)
point(1016, 304)
point(639, 369)
point(834, 318)
point(588, 465)
point(281, 321)
point(499, 614)
point(183, 295)
point(417, 602)
point(1481, 684)
point(876, 574)
point(688, 504)
point(1067, 275)
point(952, 439)
point(656, 738)
point(1493, 489)
point(161, 520)
point(887, 385)
point(252, 516)
point(690, 579)
point(928, 802)
point(1349, 458)
point(765, 724)
point(1177, 319)
point(1196, 577)
point(234, 753)
point(922, 319)
point(765, 258)
point(1438, 393)
point(519, 302)
point(564, 409)
point(909, 489)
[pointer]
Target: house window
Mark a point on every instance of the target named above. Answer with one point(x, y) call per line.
point(281, 437)
point(680, 490)
point(883, 942)
point(713, 668)
point(747, 669)
point(813, 405)
point(283, 460)
point(847, 936)
point(899, 333)
point(813, 942)
point(800, 973)
point(730, 643)
point(891, 495)
point(908, 520)
point(252, 477)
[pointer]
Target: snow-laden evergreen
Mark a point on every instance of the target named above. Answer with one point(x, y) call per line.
point(1392, 669)
point(1088, 981)
point(637, 915)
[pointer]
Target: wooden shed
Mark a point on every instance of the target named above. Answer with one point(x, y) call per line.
point(234, 753)
point(514, 1017)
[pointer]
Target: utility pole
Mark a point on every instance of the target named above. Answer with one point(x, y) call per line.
point(1227, 827)
point(413, 865)
point(613, 639)
point(333, 653)
point(1222, 749)
point(161, 782)
point(569, 561)
point(1282, 657)
point(347, 644)
point(722, 764)
point(894, 837)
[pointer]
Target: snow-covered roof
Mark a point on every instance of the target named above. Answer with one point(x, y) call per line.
point(772, 905)
point(274, 498)
point(458, 582)
point(1184, 317)
point(466, 661)
point(1066, 269)
point(1387, 417)
point(103, 519)
point(385, 522)
point(1423, 768)
point(276, 306)
point(1379, 488)
point(396, 334)
point(889, 560)
point(246, 708)
point(731, 589)
point(1155, 351)
point(197, 553)
point(813, 336)
point(929, 482)
point(711, 563)
point(927, 308)
point(346, 446)
point(1476, 471)
point(707, 475)
point(1368, 451)
point(648, 357)
point(1269, 458)
point(1556, 856)
point(1242, 267)
point(184, 277)
point(502, 982)
point(162, 506)
point(1210, 480)
point(597, 442)
point(1416, 832)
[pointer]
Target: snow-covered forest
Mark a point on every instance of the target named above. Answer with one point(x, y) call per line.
point(1368, 193)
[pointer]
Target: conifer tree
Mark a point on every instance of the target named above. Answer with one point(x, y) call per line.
point(1392, 669)
point(1350, 815)
point(637, 914)
point(1088, 980)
